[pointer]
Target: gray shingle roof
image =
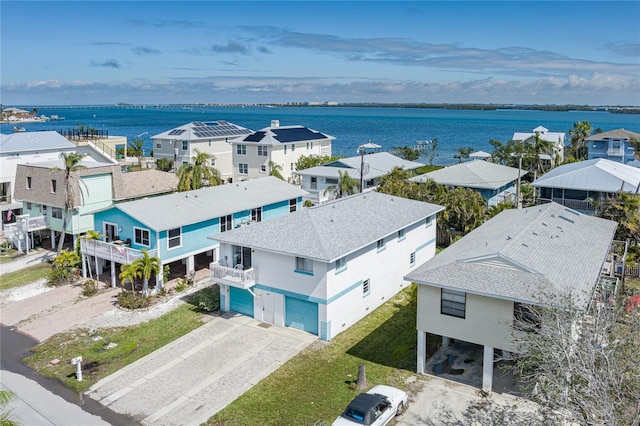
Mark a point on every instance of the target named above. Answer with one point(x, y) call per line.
point(330, 231)
point(33, 141)
point(183, 208)
point(614, 134)
point(521, 252)
point(599, 174)
point(477, 174)
point(380, 163)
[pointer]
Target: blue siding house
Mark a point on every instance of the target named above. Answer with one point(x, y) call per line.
point(613, 145)
point(176, 227)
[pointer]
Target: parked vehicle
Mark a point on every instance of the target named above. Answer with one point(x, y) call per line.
point(374, 408)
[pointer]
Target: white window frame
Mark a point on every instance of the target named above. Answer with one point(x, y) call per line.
point(304, 266)
point(185, 145)
point(293, 205)
point(381, 245)
point(256, 214)
point(341, 265)
point(226, 223)
point(402, 234)
point(54, 185)
point(172, 239)
point(241, 149)
point(56, 213)
point(243, 168)
point(28, 182)
point(141, 240)
point(262, 151)
point(263, 168)
point(158, 145)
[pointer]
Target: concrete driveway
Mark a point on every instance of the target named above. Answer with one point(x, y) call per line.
point(192, 378)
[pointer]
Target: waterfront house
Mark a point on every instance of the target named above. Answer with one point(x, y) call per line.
point(176, 227)
point(24, 148)
point(321, 181)
point(614, 145)
point(281, 146)
point(211, 137)
point(324, 268)
point(473, 290)
point(40, 188)
point(556, 139)
point(578, 185)
point(495, 182)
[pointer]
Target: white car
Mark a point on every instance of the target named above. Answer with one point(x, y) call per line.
point(375, 408)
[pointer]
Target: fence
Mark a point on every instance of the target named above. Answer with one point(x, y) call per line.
point(632, 271)
point(444, 238)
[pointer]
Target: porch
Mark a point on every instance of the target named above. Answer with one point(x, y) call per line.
point(234, 277)
point(115, 251)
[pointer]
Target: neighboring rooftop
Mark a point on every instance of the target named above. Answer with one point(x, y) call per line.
point(330, 231)
point(543, 134)
point(599, 174)
point(148, 182)
point(614, 134)
point(26, 142)
point(276, 135)
point(204, 130)
point(184, 208)
point(522, 252)
point(476, 174)
point(379, 164)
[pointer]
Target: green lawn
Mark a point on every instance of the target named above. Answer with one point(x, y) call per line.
point(24, 276)
point(133, 344)
point(319, 382)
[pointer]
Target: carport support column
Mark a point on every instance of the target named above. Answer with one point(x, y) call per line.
point(487, 369)
point(422, 351)
point(113, 274)
point(53, 239)
point(191, 268)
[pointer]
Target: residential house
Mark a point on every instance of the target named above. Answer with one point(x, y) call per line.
point(24, 148)
point(279, 146)
point(211, 137)
point(324, 268)
point(614, 145)
point(473, 290)
point(40, 188)
point(176, 227)
point(321, 181)
point(495, 182)
point(555, 139)
point(578, 185)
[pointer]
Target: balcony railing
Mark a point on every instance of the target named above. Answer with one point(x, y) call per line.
point(118, 253)
point(615, 152)
point(240, 278)
point(579, 205)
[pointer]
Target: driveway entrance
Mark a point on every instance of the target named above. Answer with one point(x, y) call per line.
point(194, 377)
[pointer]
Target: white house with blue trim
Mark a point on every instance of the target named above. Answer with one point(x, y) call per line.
point(176, 227)
point(615, 145)
point(324, 268)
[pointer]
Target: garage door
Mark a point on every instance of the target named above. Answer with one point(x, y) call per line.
point(241, 301)
point(301, 314)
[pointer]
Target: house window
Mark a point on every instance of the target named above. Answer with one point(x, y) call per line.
point(311, 144)
point(56, 213)
point(453, 303)
point(212, 161)
point(331, 181)
point(28, 206)
point(226, 223)
point(54, 186)
point(256, 214)
point(158, 145)
point(304, 265)
point(28, 182)
point(262, 151)
point(175, 238)
point(241, 149)
point(341, 264)
point(185, 145)
point(44, 210)
point(293, 205)
point(243, 168)
point(285, 150)
point(428, 221)
point(412, 259)
point(524, 318)
point(365, 288)
point(293, 147)
point(291, 166)
point(141, 236)
point(263, 169)
point(381, 245)
point(401, 235)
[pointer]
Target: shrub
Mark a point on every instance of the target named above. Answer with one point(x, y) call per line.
point(207, 299)
point(64, 269)
point(89, 288)
point(182, 284)
point(307, 203)
point(133, 300)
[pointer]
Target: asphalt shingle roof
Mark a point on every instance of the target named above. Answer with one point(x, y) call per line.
point(599, 174)
point(184, 208)
point(521, 252)
point(477, 174)
point(330, 231)
point(614, 134)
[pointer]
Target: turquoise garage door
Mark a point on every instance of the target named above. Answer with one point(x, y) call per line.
point(301, 314)
point(241, 301)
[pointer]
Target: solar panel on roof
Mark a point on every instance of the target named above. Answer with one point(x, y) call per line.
point(255, 137)
point(177, 132)
point(198, 124)
point(296, 134)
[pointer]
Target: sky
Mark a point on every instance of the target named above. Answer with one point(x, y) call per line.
point(172, 52)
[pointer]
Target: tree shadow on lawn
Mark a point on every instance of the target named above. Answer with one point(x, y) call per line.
point(392, 343)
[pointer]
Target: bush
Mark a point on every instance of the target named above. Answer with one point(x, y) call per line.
point(89, 288)
point(182, 284)
point(207, 299)
point(133, 300)
point(64, 269)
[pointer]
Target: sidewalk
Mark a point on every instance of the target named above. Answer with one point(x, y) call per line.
point(33, 258)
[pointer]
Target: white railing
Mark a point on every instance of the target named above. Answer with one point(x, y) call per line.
point(118, 253)
point(580, 205)
point(615, 152)
point(235, 277)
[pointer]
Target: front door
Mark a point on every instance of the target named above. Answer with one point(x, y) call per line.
point(110, 231)
point(268, 306)
point(242, 256)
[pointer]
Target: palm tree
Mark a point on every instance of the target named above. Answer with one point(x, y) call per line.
point(198, 173)
point(581, 131)
point(542, 147)
point(147, 265)
point(5, 415)
point(129, 272)
point(275, 170)
point(136, 149)
point(347, 185)
point(72, 192)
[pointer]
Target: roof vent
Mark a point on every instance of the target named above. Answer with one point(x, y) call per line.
point(275, 123)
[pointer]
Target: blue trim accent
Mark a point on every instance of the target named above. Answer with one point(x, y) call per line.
point(344, 268)
point(300, 271)
point(428, 243)
point(310, 298)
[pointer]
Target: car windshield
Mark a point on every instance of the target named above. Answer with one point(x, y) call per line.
point(353, 414)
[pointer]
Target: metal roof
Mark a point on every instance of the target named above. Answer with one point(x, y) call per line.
point(277, 135)
point(477, 174)
point(34, 141)
point(522, 252)
point(184, 208)
point(333, 230)
point(599, 174)
point(380, 164)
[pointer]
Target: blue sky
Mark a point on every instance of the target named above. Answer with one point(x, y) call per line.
point(101, 52)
